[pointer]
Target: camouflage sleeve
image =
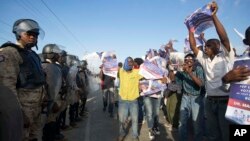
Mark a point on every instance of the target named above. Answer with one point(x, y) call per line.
point(9, 64)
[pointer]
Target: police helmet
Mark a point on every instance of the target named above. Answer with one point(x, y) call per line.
point(70, 59)
point(83, 64)
point(51, 51)
point(26, 25)
point(76, 62)
point(63, 53)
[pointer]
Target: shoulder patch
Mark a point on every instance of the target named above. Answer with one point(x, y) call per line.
point(2, 58)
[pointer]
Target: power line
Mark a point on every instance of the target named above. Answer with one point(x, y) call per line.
point(5, 23)
point(29, 11)
point(31, 6)
point(67, 29)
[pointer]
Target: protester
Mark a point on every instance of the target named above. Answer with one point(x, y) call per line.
point(216, 64)
point(108, 92)
point(152, 101)
point(191, 79)
point(173, 96)
point(117, 85)
point(141, 114)
point(239, 73)
point(129, 92)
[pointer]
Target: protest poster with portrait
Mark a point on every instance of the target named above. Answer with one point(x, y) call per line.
point(200, 20)
point(238, 107)
point(177, 60)
point(150, 70)
point(110, 65)
point(149, 87)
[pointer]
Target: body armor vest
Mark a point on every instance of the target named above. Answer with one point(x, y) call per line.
point(31, 74)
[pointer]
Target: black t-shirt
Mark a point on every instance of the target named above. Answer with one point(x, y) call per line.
point(108, 81)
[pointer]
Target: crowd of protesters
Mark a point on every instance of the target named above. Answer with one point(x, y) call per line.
point(193, 95)
point(197, 92)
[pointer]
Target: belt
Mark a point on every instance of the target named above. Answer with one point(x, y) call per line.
point(218, 98)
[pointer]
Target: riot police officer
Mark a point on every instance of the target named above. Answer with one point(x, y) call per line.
point(73, 90)
point(84, 87)
point(23, 73)
point(51, 54)
point(64, 89)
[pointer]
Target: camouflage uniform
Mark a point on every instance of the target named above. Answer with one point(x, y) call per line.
point(9, 67)
point(30, 99)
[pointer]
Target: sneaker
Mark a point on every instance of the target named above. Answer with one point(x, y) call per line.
point(151, 134)
point(156, 130)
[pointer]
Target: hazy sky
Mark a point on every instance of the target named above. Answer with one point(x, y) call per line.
point(127, 27)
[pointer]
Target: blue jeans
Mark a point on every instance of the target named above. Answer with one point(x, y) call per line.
point(216, 123)
point(128, 107)
point(141, 109)
point(191, 107)
point(152, 106)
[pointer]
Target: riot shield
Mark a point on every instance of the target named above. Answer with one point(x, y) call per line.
point(11, 120)
point(53, 80)
point(71, 81)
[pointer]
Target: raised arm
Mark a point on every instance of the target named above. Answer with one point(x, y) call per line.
point(193, 43)
point(219, 27)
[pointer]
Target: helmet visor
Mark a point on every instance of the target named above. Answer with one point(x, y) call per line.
point(29, 26)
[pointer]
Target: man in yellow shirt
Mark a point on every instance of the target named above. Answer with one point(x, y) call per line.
point(129, 92)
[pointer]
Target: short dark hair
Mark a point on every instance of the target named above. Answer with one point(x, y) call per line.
point(120, 64)
point(214, 40)
point(190, 54)
point(139, 61)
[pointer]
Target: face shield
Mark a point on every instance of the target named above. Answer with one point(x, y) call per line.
point(56, 50)
point(28, 25)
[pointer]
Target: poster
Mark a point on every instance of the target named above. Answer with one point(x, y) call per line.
point(200, 20)
point(110, 66)
point(149, 87)
point(238, 107)
point(150, 70)
point(109, 61)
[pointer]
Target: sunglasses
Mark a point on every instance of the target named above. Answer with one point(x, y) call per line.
point(188, 58)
